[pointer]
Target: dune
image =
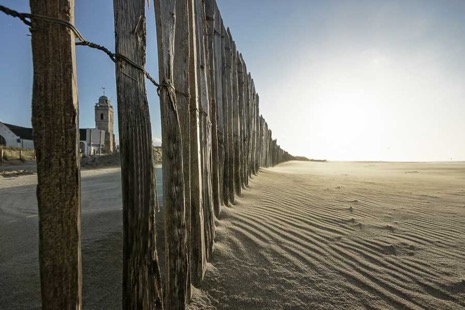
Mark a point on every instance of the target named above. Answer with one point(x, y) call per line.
point(309, 235)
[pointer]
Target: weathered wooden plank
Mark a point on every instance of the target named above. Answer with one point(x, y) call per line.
point(265, 143)
point(141, 274)
point(219, 62)
point(182, 85)
point(240, 102)
point(205, 125)
point(250, 111)
point(225, 81)
point(236, 121)
point(273, 152)
point(272, 145)
point(176, 295)
point(241, 118)
point(230, 116)
point(260, 142)
point(210, 11)
point(198, 246)
point(256, 135)
point(55, 118)
point(267, 139)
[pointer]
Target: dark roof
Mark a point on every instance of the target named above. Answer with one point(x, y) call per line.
point(82, 134)
point(22, 132)
point(26, 133)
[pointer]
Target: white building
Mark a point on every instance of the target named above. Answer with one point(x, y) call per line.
point(105, 122)
point(16, 136)
point(99, 140)
point(91, 141)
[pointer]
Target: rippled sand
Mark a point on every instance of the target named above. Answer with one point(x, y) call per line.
point(304, 235)
point(342, 236)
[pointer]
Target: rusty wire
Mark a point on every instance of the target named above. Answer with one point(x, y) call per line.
point(27, 19)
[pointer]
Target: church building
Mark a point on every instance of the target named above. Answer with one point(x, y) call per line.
point(92, 141)
point(104, 121)
point(101, 139)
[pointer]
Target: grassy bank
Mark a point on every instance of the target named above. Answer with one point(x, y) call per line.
point(12, 153)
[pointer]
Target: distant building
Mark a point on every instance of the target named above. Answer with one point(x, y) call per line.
point(101, 139)
point(104, 121)
point(16, 136)
point(92, 141)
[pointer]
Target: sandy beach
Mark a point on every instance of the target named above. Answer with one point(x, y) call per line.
point(304, 235)
point(343, 236)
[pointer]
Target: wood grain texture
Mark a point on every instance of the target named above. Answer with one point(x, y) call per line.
point(236, 121)
point(141, 275)
point(198, 248)
point(241, 117)
point(219, 63)
point(182, 85)
point(205, 125)
point(228, 182)
point(210, 12)
point(176, 294)
point(55, 118)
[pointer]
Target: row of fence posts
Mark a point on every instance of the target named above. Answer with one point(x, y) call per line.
point(214, 140)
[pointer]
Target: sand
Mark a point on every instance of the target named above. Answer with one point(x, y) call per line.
point(304, 235)
point(343, 236)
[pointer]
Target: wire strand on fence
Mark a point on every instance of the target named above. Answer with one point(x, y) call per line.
point(27, 19)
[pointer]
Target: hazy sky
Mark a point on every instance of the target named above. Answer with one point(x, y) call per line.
point(338, 79)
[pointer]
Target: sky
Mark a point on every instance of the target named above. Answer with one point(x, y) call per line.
point(337, 79)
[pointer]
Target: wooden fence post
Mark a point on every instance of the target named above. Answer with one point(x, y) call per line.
point(176, 295)
point(268, 149)
point(182, 85)
point(225, 74)
point(228, 76)
point(236, 121)
point(256, 161)
point(210, 12)
point(250, 112)
point(141, 274)
point(241, 116)
point(219, 63)
point(55, 118)
point(264, 133)
point(198, 247)
point(254, 130)
point(205, 125)
point(259, 142)
point(263, 147)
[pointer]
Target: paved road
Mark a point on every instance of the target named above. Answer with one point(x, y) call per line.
point(101, 244)
point(30, 166)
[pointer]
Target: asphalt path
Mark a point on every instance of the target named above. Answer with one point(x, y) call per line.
point(101, 218)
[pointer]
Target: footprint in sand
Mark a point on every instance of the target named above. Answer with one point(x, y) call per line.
point(400, 249)
point(391, 228)
point(390, 250)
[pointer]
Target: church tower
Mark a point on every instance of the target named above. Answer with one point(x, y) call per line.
point(104, 121)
